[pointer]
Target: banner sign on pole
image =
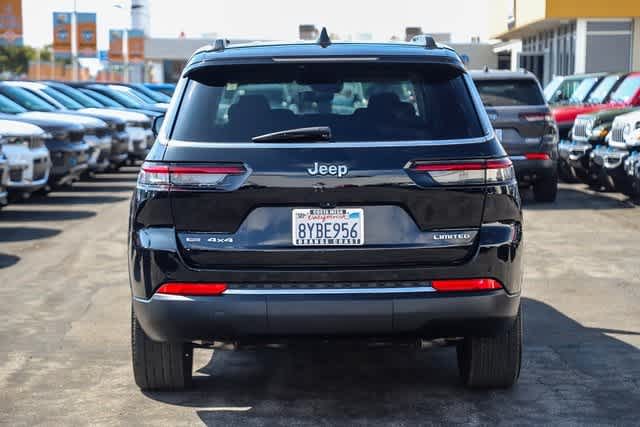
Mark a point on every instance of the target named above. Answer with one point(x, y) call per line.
point(11, 22)
point(86, 34)
point(136, 45)
point(116, 45)
point(62, 34)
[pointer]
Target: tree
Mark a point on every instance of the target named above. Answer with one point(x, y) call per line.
point(15, 59)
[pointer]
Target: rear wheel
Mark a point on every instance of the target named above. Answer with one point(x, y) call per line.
point(546, 189)
point(159, 365)
point(492, 362)
point(567, 173)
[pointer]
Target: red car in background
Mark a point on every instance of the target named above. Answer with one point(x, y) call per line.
point(592, 95)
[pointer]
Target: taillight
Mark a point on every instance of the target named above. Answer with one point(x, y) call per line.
point(192, 289)
point(536, 117)
point(537, 156)
point(165, 177)
point(465, 285)
point(466, 172)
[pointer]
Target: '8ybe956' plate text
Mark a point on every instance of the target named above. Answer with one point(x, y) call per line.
point(327, 227)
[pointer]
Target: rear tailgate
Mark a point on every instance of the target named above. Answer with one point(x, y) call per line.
point(389, 117)
point(520, 128)
point(251, 226)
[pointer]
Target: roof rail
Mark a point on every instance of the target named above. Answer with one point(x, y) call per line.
point(220, 44)
point(428, 41)
point(323, 39)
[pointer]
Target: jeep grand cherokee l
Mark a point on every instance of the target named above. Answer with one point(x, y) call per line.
point(398, 219)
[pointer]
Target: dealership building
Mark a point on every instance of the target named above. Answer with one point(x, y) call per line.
point(561, 37)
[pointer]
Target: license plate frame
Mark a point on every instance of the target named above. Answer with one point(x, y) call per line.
point(349, 221)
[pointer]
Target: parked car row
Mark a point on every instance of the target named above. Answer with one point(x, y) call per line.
point(54, 133)
point(599, 124)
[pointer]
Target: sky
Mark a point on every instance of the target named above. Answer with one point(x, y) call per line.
point(269, 19)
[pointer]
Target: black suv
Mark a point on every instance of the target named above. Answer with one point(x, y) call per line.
point(259, 222)
point(524, 125)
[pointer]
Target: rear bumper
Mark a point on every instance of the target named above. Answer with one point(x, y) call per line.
point(423, 314)
point(530, 171)
point(313, 309)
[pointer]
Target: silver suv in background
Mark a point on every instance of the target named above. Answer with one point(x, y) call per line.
point(28, 157)
point(523, 123)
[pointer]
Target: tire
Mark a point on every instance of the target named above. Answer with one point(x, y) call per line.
point(159, 365)
point(567, 173)
point(546, 189)
point(624, 186)
point(492, 362)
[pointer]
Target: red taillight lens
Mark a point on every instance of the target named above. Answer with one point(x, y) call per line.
point(537, 156)
point(437, 167)
point(161, 177)
point(205, 170)
point(466, 173)
point(192, 289)
point(465, 285)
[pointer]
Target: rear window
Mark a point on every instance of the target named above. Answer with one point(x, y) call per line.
point(509, 92)
point(372, 102)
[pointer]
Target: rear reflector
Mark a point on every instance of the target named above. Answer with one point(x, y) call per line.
point(467, 172)
point(164, 177)
point(192, 289)
point(465, 285)
point(537, 156)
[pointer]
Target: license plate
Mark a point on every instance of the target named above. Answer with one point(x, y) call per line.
point(499, 134)
point(327, 227)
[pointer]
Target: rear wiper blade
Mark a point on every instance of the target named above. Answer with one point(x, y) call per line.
point(316, 133)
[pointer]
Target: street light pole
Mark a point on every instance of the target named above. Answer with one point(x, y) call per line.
point(74, 40)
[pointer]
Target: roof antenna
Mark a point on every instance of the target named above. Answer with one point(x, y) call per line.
point(486, 68)
point(323, 39)
point(220, 44)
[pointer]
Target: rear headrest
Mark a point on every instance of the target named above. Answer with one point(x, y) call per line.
point(383, 101)
point(249, 106)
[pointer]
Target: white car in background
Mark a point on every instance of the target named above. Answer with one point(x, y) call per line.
point(625, 133)
point(28, 159)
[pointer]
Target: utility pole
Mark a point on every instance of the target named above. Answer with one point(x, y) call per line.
point(74, 40)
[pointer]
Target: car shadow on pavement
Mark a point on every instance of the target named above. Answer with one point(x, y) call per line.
point(77, 199)
point(571, 374)
point(7, 260)
point(23, 234)
point(44, 215)
point(129, 178)
point(97, 187)
point(576, 198)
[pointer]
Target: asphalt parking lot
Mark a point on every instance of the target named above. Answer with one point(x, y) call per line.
point(64, 333)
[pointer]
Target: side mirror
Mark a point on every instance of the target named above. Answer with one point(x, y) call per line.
point(157, 124)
